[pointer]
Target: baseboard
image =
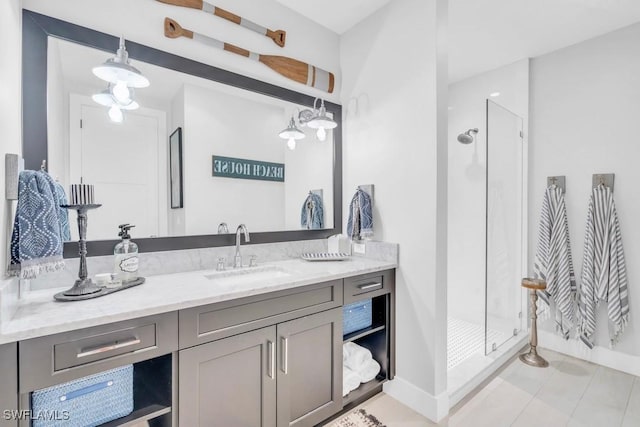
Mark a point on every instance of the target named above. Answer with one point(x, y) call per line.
point(435, 408)
point(600, 355)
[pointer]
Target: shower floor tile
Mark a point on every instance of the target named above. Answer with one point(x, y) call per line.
point(464, 339)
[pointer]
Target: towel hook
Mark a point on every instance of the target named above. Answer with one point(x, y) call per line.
point(558, 181)
point(603, 179)
point(43, 166)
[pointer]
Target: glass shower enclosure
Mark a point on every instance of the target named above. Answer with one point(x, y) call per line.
point(504, 225)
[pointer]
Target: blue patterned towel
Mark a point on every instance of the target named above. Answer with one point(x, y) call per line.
point(36, 242)
point(360, 224)
point(312, 214)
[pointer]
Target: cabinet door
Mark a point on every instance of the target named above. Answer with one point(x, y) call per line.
point(9, 387)
point(230, 382)
point(310, 369)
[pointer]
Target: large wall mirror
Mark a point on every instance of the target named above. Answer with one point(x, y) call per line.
point(162, 168)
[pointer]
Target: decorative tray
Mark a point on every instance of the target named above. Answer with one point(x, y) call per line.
point(325, 256)
point(102, 292)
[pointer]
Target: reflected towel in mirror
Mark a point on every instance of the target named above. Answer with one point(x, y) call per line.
point(312, 215)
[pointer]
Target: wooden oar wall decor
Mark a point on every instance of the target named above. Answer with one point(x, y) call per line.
point(293, 69)
point(278, 36)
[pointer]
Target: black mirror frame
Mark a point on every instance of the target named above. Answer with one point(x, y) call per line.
point(36, 28)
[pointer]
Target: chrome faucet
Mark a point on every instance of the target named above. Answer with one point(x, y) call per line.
point(237, 261)
point(223, 228)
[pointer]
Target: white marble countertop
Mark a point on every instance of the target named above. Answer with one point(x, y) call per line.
point(39, 315)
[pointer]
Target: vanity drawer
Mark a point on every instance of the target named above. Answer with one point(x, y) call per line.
point(199, 325)
point(63, 357)
point(368, 285)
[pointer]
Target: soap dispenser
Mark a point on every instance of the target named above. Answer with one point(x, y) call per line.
point(126, 256)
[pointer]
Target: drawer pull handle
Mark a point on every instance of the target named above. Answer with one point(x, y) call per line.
point(370, 286)
point(285, 355)
point(272, 359)
point(115, 346)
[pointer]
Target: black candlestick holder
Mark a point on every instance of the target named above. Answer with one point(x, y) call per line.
point(84, 285)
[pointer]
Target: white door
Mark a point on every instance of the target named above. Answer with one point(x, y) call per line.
point(121, 161)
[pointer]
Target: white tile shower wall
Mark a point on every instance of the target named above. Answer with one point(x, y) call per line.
point(467, 183)
point(154, 263)
point(584, 110)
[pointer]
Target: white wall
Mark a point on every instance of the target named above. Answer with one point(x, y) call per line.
point(394, 91)
point(585, 104)
point(10, 111)
point(123, 17)
point(211, 124)
point(467, 185)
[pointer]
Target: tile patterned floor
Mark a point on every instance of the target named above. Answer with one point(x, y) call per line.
point(464, 339)
point(570, 392)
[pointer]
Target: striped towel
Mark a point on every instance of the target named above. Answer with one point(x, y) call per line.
point(553, 262)
point(604, 274)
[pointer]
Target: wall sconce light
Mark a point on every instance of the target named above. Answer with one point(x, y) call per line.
point(291, 134)
point(122, 78)
point(317, 119)
point(314, 119)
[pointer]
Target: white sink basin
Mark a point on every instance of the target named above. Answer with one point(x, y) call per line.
point(247, 274)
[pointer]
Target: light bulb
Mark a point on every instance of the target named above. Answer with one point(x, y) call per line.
point(115, 114)
point(121, 92)
point(291, 143)
point(321, 134)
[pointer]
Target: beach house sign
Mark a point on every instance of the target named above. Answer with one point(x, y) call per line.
point(230, 167)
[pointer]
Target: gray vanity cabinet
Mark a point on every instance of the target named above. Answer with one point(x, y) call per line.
point(230, 382)
point(8, 384)
point(310, 369)
point(294, 368)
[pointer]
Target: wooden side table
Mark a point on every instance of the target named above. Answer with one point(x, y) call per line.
point(532, 358)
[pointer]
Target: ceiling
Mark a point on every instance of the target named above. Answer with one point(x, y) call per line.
point(336, 15)
point(486, 34)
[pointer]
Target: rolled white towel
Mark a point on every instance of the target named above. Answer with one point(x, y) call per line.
point(356, 356)
point(369, 371)
point(350, 380)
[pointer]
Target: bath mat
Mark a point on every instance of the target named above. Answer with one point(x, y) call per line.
point(358, 418)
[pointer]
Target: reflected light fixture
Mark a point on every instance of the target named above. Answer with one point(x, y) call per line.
point(291, 134)
point(122, 78)
point(115, 114)
point(107, 99)
point(119, 69)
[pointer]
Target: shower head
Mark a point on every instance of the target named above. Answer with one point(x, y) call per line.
point(467, 138)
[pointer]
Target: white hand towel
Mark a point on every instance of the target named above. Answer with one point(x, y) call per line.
point(350, 380)
point(356, 357)
point(369, 371)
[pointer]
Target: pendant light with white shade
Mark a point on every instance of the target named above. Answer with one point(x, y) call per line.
point(292, 134)
point(122, 78)
point(315, 119)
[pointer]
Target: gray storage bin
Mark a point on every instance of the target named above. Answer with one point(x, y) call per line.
point(356, 316)
point(88, 401)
